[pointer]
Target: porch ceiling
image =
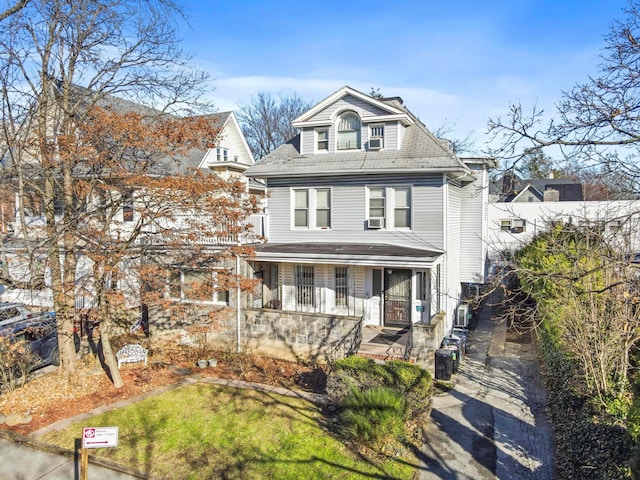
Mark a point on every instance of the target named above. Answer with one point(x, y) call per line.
point(371, 254)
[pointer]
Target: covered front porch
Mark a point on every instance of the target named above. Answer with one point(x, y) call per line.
point(387, 285)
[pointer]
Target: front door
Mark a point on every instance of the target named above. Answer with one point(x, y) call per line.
point(397, 297)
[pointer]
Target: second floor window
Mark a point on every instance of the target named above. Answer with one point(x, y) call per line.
point(390, 207)
point(376, 203)
point(312, 208)
point(348, 131)
point(402, 208)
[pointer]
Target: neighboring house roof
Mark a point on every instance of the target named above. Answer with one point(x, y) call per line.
point(420, 151)
point(510, 187)
point(353, 253)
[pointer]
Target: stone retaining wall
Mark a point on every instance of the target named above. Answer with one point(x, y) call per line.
point(426, 339)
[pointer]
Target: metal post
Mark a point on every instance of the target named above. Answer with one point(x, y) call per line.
point(238, 301)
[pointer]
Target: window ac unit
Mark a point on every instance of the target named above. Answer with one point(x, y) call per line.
point(375, 143)
point(376, 222)
point(462, 316)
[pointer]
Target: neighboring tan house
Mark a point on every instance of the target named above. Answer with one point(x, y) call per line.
point(373, 222)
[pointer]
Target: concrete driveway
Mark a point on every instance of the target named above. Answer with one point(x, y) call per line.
point(494, 423)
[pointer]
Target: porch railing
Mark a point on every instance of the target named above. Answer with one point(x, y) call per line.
point(349, 344)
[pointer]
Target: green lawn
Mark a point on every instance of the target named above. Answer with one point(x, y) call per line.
point(204, 431)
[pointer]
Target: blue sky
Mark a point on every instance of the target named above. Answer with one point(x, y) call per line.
point(453, 62)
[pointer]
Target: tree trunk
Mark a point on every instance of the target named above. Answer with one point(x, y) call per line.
point(110, 361)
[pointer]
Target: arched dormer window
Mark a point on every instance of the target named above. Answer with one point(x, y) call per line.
point(349, 131)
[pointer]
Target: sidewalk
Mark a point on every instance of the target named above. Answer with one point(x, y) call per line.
point(493, 423)
point(26, 459)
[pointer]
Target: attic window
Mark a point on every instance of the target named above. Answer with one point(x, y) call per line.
point(349, 131)
point(376, 138)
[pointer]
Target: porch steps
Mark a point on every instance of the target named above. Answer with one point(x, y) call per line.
point(383, 343)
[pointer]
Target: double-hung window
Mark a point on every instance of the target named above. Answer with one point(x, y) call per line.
point(322, 140)
point(390, 207)
point(301, 208)
point(127, 208)
point(305, 286)
point(312, 208)
point(402, 208)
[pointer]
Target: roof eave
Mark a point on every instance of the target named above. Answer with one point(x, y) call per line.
point(342, 259)
point(377, 171)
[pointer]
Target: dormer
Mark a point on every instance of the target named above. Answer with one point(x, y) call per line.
point(350, 121)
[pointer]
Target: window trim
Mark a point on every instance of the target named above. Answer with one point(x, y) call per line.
point(312, 208)
point(390, 205)
point(372, 128)
point(341, 291)
point(317, 140)
point(176, 284)
point(341, 119)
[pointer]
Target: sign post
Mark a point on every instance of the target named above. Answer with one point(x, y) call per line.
point(95, 437)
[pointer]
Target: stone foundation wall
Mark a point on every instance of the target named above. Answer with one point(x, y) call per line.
point(311, 335)
point(279, 333)
point(426, 339)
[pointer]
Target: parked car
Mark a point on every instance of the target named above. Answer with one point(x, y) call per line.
point(41, 335)
point(13, 312)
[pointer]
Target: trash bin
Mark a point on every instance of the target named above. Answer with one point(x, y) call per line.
point(454, 340)
point(454, 353)
point(444, 364)
point(463, 333)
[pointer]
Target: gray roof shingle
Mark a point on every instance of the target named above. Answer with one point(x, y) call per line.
point(420, 151)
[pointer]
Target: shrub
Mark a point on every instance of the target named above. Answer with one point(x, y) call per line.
point(373, 415)
point(16, 361)
point(376, 400)
point(412, 380)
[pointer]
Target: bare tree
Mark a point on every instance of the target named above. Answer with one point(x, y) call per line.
point(459, 145)
point(16, 7)
point(73, 77)
point(266, 121)
point(596, 122)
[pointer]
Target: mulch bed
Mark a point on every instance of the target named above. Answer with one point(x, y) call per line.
point(53, 396)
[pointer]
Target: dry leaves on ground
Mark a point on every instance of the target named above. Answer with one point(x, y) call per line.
point(52, 397)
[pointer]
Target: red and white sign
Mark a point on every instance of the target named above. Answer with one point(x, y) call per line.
point(99, 437)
